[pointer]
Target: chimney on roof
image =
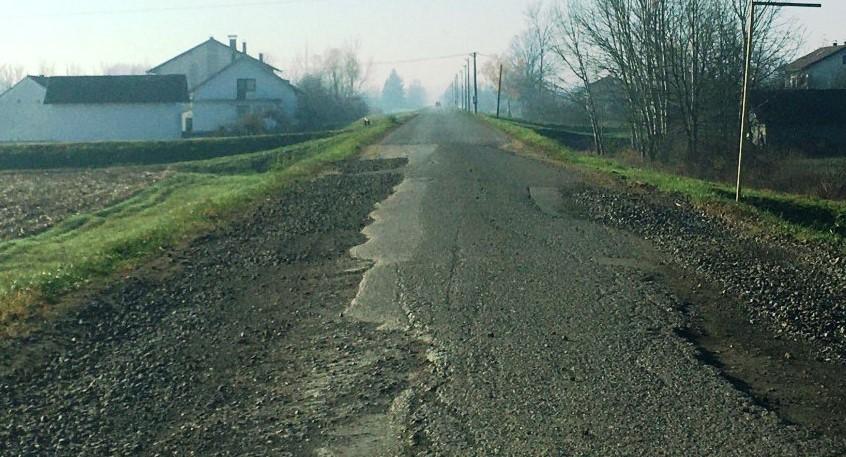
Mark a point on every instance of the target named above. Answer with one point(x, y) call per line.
point(835, 44)
point(233, 45)
point(244, 47)
point(261, 57)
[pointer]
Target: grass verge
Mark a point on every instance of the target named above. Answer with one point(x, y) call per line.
point(762, 212)
point(36, 271)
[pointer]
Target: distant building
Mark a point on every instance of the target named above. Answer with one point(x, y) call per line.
point(93, 108)
point(226, 84)
point(609, 95)
point(824, 68)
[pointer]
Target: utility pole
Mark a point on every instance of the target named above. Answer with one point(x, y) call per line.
point(747, 64)
point(475, 86)
point(499, 91)
point(468, 84)
point(464, 89)
point(455, 91)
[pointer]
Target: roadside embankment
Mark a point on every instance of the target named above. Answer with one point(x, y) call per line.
point(87, 248)
point(232, 344)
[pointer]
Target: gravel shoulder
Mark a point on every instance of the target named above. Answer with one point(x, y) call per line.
point(235, 345)
point(770, 313)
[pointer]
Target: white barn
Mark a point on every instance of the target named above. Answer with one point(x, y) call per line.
point(93, 108)
point(226, 85)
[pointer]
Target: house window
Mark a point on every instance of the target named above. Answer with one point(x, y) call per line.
point(245, 87)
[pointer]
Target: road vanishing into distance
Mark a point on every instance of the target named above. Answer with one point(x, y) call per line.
point(438, 296)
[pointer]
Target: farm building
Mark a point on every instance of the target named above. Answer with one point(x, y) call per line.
point(227, 84)
point(93, 108)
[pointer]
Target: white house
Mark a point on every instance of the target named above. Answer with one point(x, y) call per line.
point(93, 108)
point(226, 84)
point(824, 68)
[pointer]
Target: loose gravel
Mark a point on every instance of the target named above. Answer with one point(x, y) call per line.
point(234, 345)
point(796, 290)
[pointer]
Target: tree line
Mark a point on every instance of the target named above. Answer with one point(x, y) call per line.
point(674, 68)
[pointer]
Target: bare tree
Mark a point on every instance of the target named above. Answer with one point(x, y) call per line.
point(343, 70)
point(574, 51)
point(46, 69)
point(678, 62)
point(73, 69)
point(9, 76)
point(123, 69)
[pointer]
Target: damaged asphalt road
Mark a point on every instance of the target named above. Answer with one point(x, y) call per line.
point(472, 313)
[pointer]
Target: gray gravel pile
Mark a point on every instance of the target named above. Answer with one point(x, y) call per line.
point(227, 347)
point(798, 290)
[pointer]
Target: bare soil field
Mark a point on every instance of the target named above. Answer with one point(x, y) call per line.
point(32, 201)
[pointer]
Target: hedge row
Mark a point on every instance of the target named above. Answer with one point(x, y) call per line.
point(107, 154)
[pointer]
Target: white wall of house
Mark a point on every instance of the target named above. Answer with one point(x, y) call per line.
point(830, 73)
point(215, 103)
point(137, 121)
point(211, 115)
point(199, 64)
point(25, 118)
point(22, 111)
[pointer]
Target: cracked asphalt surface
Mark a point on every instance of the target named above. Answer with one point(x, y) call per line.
point(473, 316)
point(550, 335)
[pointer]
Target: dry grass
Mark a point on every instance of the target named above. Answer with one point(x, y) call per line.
point(33, 201)
point(823, 178)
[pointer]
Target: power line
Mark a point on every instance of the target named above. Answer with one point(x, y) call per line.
point(421, 59)
point(165, 9)
point(430, 59)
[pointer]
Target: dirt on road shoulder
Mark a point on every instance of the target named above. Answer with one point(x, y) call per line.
point(770, 314)
point(236, 345)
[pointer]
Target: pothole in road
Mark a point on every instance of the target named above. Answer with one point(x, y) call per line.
point(780, 374)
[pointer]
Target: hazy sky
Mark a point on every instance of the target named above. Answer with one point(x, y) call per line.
point(88, 33)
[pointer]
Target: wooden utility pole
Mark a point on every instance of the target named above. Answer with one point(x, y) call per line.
point(499, 91)
point(467, 82)
point(455, 91)
point(475, 86)
point(463, 89)
point(747, 64)
point(744, 102)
